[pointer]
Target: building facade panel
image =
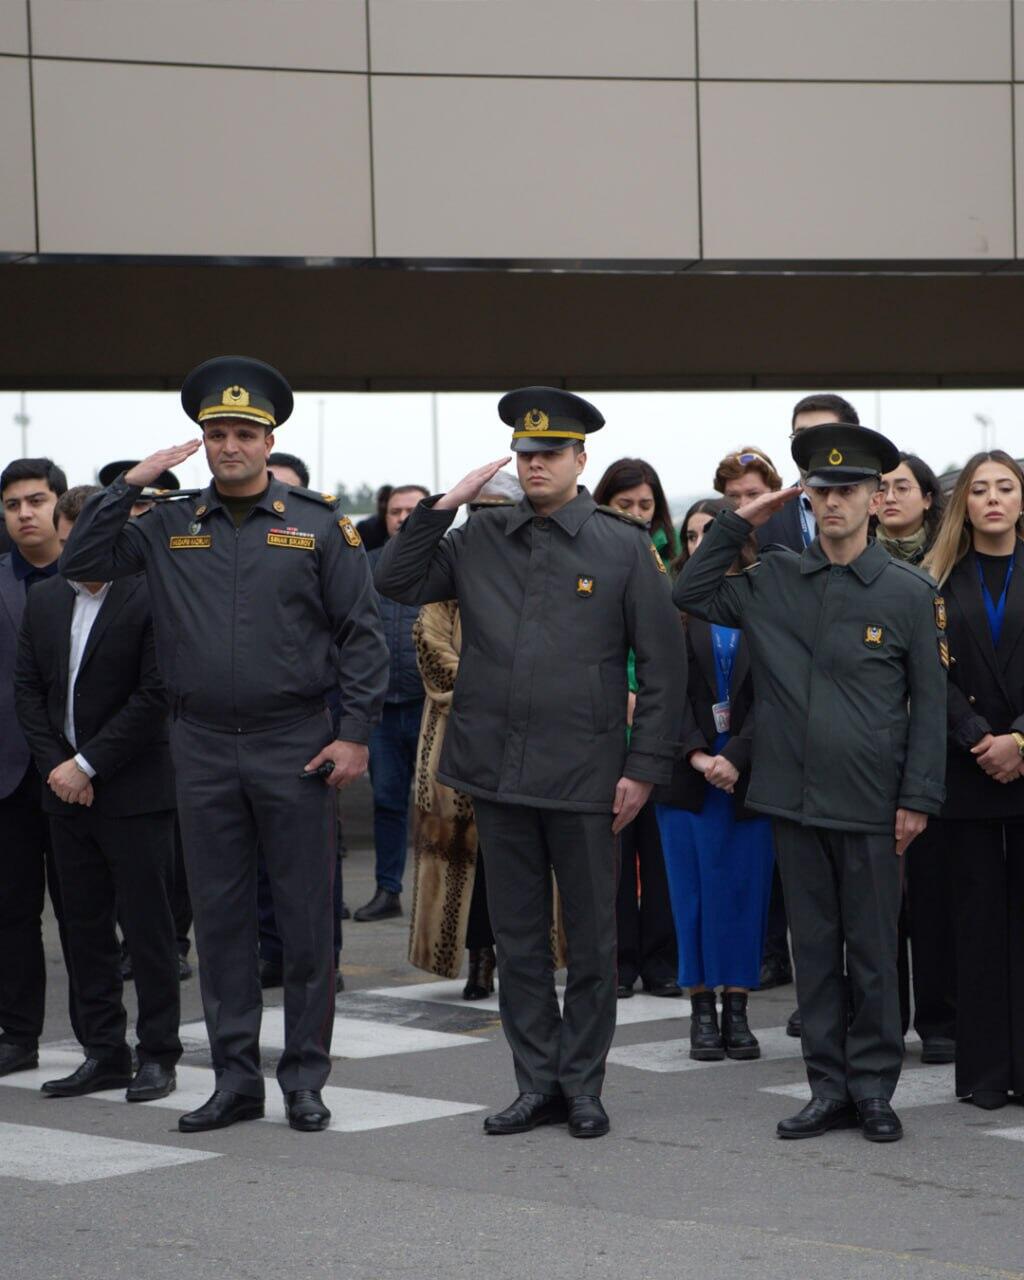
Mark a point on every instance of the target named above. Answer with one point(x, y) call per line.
point(856, 171)
point(179, 160)
point(13, 27)
point(496, 168)
point(615, 38)
point(17, 209)
point(856, 39)
point(327, 34)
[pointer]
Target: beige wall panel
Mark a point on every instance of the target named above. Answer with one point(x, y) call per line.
point(1019, 94)
point(13, 26)
point(177, 160)
point(855, 39)
point(1018, 39)
point(473, 168)
point(17, 221)
point(328, 34)
point(856, 171)
point(614, 38)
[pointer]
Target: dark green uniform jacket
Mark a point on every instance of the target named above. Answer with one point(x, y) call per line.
point(550, 608)
point(837, 654)
point(255, 625)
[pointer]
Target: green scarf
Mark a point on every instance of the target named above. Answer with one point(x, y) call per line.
point(911, 549)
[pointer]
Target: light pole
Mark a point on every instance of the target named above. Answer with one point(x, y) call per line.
point(22, 420)
point(435, 443)
point(988, 431)
point(320, 445)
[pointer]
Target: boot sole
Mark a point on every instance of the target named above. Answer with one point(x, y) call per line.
point(251, 1114)
point(744, 1055)
point(590, 1133)
point(707, 1055)
point(122, 1083)
point(150, 1095)
point(524, 1128)
point(883, 1137)
point(850, 1123)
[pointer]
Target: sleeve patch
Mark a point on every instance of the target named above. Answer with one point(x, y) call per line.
point(940, 612)
point(349, 532)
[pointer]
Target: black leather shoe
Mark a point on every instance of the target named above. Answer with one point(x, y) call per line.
point(150, 1082)
point(16, 1057)
point(988, 1099)
point(793, 1024)
point(480, 978)
point(382, 906)
point(527, 1112)
point(184, 969)
point(775, 972)
point(878, 1121)
point(705, 1037)
point(339, 981)
point(935, 1050)
point(668, 990)
point(624, 991)
point(127, 968)
point(345, 913)
point(306, 1111)
point(737, 1037)
point(219, 1110)
point(818, 1117)
point(92, 1076)
point(271, 974)
point(587, 1117)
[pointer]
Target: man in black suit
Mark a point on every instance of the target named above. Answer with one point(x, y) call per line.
point(95, 713)
point(29, 488)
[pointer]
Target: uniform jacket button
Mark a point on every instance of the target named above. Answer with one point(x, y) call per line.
point(971, 699)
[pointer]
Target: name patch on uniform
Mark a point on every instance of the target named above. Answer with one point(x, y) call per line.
point(291, 538)
point(182, 542)
point(873, 636)
point(584, 586)
point(657, 558)
point(944, 652)
point(940, 613)
point(349, 532)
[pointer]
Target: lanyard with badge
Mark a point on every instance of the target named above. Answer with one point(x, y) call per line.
point(724, 640)
point(805, 528)
point(996, 611)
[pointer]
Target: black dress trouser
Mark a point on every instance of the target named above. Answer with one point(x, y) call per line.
point(843, 889)
point(120, 868)
point(553, 1052)
point(643, 912)
point(927, 929)
point(26, 867)
point(988, 883)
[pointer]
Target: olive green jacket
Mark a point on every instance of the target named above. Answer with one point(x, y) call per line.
point(849, 679)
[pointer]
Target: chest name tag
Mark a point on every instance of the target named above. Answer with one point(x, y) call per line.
point(183, 541)
point(873, 637)
point(291, 538)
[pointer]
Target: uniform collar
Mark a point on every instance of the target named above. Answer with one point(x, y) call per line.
point(23, 568)
point(210, 500)
point(571, 517)
point(868, 565)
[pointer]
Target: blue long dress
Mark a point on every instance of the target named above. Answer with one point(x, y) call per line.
point(719, 872)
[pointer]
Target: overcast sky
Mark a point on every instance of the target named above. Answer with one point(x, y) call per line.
point(377, 438)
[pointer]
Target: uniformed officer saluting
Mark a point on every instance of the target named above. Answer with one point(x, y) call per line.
point(262, 602)
point(553, 594)
point(849, 660)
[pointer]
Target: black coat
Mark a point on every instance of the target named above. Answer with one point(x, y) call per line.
point(121, 707)
point(687, 790)
point(986, 691)
point(783, 529)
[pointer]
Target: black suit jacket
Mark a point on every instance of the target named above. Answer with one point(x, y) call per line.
point(121, 707)
point(986, 690)
point(688, 788)
point(783, 528)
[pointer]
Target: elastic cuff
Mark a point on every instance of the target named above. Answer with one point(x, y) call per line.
point(352, 730)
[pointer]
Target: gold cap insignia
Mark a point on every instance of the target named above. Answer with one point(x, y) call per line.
point(873, 636)
point(349, 532)
point(940, 613)
point(236, 396)
point(835, 458)
point(328, 497)
point(536, 420)
point(278, 506)
point(584, 586)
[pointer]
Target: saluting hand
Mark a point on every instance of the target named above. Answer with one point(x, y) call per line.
point(909, 825)
point(350, 760)
point(146, 471)
point(630, 798)
point(468, 488)
point(759, 510)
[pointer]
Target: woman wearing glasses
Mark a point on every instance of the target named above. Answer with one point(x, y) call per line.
point(908, 521)
point(978, 561)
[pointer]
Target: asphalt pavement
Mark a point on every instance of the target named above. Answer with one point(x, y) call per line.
point(691, 1182)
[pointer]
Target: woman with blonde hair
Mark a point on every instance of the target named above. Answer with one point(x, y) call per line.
point(978, 560)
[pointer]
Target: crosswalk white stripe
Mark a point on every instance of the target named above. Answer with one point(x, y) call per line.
point(920, 1087)
point(1014, 1135)
point(58, 1156)
point(352, 1110)
point(674, 1055)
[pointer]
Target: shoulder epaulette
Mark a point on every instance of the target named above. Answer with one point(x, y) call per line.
point(918, 572)
point(624, 516)
point(325, 499)
point(168, 495)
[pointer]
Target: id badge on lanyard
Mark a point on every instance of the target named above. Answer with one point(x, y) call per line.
point(723, 716)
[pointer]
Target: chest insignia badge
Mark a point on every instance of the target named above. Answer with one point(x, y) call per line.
point(201, 511)
point(584, 586)
point(940, 613)
point(349, 532)
point(873, 637)
point(189, 542)
point(278, 506)
point(944, 652)
point(195, 527)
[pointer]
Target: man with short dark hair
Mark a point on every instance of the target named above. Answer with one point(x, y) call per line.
point(289, 469)
point(29, 489)
point(394, 741)
point(95, 714)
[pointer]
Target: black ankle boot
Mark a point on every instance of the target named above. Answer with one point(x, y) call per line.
point(705, 1037)
point(739, 1040)
point(480, 979)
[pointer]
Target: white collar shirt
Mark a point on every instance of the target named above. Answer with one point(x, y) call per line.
point(84, 614)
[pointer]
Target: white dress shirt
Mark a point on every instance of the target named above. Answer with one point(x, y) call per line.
point(83, 615)
point(807, 519)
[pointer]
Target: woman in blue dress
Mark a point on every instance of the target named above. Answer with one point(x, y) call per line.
point(718, 855)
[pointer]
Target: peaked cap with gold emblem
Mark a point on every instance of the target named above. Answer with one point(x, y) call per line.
point(840, 453)
point(545, 418)
point(237, 387)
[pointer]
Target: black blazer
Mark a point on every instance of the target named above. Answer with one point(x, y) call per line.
point(783, 528)
point(986, 691)
point(121, 707)
point(688, 788)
